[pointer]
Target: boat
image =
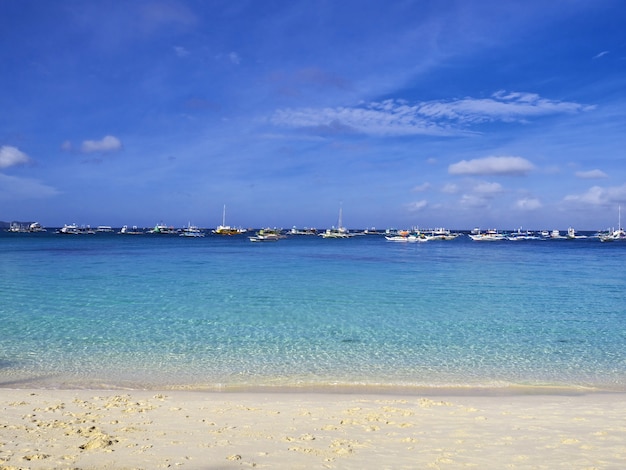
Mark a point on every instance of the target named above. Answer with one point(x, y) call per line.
point(227, 229)
point(104, 229)
point(267, 235)
point(491, 235)
point(16, 227)
point(572, 235)
point(440, 234)
point(556, 235)
point(191, 231)
point(405, 236)
point(162, 229)
point(615, 235)
point(132, 231)
point(339, 232)
point(71, 229)
point(304, 231)
point(520, 235)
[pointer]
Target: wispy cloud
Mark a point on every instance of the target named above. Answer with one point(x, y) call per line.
point(417, 206)
point(421, 187)
point(591, 174)
point(528, 204)
point(398, 117)
point(14, 188)
point(512, 166)
point(601, 54)
point(11, 156)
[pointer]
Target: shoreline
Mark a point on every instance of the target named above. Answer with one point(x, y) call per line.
point(149, 429)
point(453, 390)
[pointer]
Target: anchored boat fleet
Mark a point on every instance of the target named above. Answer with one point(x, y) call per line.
point(414, 235)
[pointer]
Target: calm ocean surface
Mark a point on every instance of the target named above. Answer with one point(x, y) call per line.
point(221, 313)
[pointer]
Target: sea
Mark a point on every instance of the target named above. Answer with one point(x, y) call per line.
point(220, 313)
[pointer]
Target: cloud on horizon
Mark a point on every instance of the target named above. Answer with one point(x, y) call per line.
point(12, 187)
point(506, 165)
point(599, 196)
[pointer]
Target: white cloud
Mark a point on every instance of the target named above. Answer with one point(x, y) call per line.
point(488, 188)
point(417, 206)
point(11, 156)
point(105, 145)
point(474, 201)
point(234, 58)
point(12, 187)
point(528, 204)
point(601, 54)
point(421, 187)
point(591, 174)
point(450, 188)
point(397, 117)
point(491, 166)
point(599, 196)
point(181, 51)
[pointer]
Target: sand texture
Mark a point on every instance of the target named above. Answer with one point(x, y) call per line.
point(69, 429)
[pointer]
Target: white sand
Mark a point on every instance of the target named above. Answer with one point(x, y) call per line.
point(196, 430)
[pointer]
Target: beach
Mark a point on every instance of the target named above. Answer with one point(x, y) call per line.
point(100, 429)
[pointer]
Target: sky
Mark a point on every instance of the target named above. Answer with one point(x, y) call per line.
point(422, 113)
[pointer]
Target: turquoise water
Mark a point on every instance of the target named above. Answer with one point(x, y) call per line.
point(105, 310)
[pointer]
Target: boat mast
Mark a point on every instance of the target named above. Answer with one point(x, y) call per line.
point(224, 216)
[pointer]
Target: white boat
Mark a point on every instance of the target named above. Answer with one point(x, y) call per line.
point(71, 229)
point(615, 235)
point(191, 231)
point(16, 228)
point(572, 235)
point(104, 229)
point(520, 235)
point(440, 234)
point(413, 238)
point(130, 231)
point(339, 232)
point(406, 236)
point(304, 231)
point(556, 235)
point(491, 235)
point(36, 227)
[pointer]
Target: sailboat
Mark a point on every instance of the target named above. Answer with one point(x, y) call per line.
point(227, 229)
point(615, 235)
point(339, 232)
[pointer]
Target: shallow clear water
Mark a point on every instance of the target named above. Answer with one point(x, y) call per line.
point(221, 312)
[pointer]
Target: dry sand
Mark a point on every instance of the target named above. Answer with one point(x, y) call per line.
point(198, 430)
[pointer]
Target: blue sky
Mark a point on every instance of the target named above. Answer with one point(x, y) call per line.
point(403, 113)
